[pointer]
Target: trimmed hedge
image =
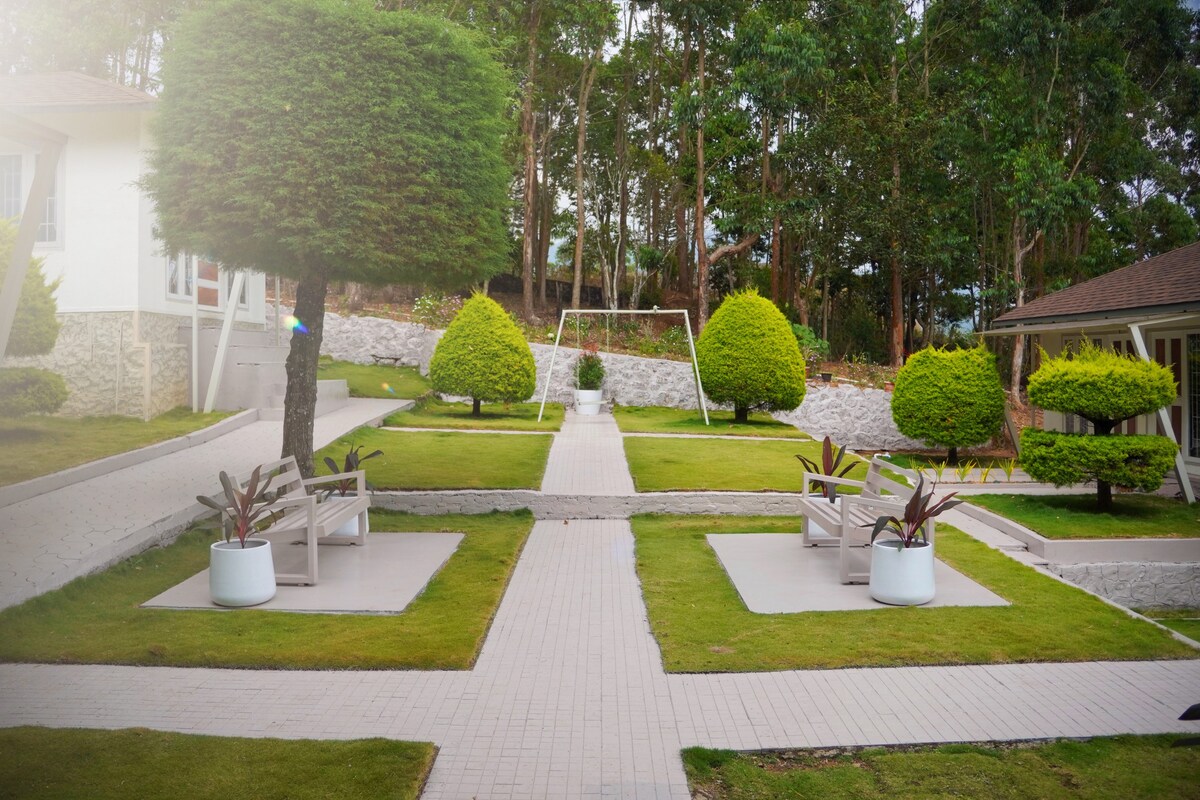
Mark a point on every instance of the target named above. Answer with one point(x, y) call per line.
point(35, 326)
point(28, 390)
point(949, 398)
point(748, 356)
point(1101, 385)
point(1137, 462)
point(483, 356)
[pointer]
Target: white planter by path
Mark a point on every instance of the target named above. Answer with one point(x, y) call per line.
point(350, 528)
point(901, 576)
point(587, 401)
point(240, 576)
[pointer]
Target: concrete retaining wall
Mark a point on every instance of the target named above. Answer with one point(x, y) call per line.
point(1138, 584)
point(547, 506)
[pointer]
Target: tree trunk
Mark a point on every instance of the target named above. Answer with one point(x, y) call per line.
point(683, 260)
point(527, 126)
point(474, 407)
point(896, 339)
point(543, 259)
point(300, 398)
point(741, 414)
point(701, 245)
point(952, 456)
point(1019, 251)
point(585, 89)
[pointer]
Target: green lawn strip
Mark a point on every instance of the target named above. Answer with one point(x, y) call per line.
point(657, 419)
point(52, 444)
point(702, 625)
point(1183, 620)
point(664, 465)
point(445, 460)
point(1113, 768)
point(97, 619)
point(1076, 517)
point(367, 380)
point(430, 412)
point(136, 762)
point(923, 461)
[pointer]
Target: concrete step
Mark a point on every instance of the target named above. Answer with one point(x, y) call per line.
point(331, 395)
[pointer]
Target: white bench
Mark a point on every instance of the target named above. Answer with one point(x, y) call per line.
point(847, 522)
point(300, 519)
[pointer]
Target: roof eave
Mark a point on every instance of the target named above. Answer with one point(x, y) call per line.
point(1115, 315)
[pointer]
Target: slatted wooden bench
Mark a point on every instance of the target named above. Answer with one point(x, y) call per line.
point(841, 523)
point(304, 521)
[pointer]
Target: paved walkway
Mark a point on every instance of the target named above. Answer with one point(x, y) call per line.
point(588, 457)
point(56, 537)
point(569, 698)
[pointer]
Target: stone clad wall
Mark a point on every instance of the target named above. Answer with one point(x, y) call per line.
point(858, 418)
point(1138, 584)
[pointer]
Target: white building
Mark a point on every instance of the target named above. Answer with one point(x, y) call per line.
point(126, 307)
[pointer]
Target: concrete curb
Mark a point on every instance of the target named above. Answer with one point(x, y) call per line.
point(24, 490)
point(563, 506)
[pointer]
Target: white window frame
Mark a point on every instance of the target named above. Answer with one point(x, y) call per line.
point(27, 165)
point(187, 280)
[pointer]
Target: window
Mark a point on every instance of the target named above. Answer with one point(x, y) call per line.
point(242, 302)
point(10, 187)
point(47, 231)
point(179, 276)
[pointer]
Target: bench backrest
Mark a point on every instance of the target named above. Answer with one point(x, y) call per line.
point(288, 482)
point(877, 484)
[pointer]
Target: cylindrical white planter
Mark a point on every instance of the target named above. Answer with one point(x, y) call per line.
point(901, 576)
point(240, 576)
point(350, 528)
point(587, 401)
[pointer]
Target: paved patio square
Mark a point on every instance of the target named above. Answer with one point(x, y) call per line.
point(381, 578)
point(776, 574)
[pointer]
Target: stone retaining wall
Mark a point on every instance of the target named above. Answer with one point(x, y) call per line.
point(1138, 584)
point(554, 506)
point(859, 418)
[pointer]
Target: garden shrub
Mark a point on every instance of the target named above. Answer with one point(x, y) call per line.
point(35, 326)
point(748, 356)
point(949, 398)
point(28, 390)
point(812, 347)
point(589, 371)
point(1105, 388)
point(483, 356)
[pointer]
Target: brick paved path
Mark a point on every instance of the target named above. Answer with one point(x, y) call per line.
point(569, 698)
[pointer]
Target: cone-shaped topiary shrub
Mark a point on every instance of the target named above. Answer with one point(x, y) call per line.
point(27, 390)
point(748, 356)
point(949, 398)
point(1105, 388)
point(483, 356)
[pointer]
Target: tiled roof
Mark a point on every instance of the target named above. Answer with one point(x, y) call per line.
point(1169, 280)
point(48, 91)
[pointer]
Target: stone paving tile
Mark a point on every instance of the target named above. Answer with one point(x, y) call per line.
point(588, 457)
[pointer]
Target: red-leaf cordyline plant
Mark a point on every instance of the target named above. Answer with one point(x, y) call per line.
point(828, 467)
point(242, 508)
point(910, 529)
point(343, 485)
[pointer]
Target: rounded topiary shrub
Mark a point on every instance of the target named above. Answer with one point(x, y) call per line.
point(949, 398)
point(748, 357)
point(28, 390)
point(483, 356)
point(1105, 388)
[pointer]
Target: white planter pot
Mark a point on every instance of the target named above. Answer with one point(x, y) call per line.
point(240, 576)
point(901, 576)
point(587, 401)
point(350, 528)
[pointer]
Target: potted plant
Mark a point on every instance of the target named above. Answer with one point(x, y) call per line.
point(589, 377)
point(828, 467)
point(344, 486)
point(902, 568)
point(241, 573)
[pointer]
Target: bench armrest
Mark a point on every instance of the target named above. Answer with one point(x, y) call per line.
point(359, 476)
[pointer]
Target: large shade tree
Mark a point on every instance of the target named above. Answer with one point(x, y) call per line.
point(324, 140)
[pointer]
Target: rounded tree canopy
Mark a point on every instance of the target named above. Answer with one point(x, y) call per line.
point(1101, 385)
point(323, 137)
point(35, 326)
point(748, 355)
point(483, 356)
point(949, 398)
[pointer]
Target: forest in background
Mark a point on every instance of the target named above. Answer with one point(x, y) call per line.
point(890, 173)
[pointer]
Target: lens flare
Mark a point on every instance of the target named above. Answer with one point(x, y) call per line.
point(388, 388)
point(295, 325)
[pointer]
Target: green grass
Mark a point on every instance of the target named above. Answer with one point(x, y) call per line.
point(437, 460)
point(1116, 768)
point(368, 380)
point(1075, 516)
point(431, 412)
point(664, 465)
point(97, 619)
point(115, 765)
point(1183, 620)
point(39, 445)
point(657, 419)
point(702, 625)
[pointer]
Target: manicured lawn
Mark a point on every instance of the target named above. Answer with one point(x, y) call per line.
point(368, 380)
point(152, 765)
point(437, 460)
point(1075, 516)
point(39, 445)
point(1184, 620)
point(434, 413)
point(97, 619)
point(656, 419)
point(663, 465)
point(702, 625)
point(1116, 768)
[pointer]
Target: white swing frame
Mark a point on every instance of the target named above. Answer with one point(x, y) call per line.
point(687, 326)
